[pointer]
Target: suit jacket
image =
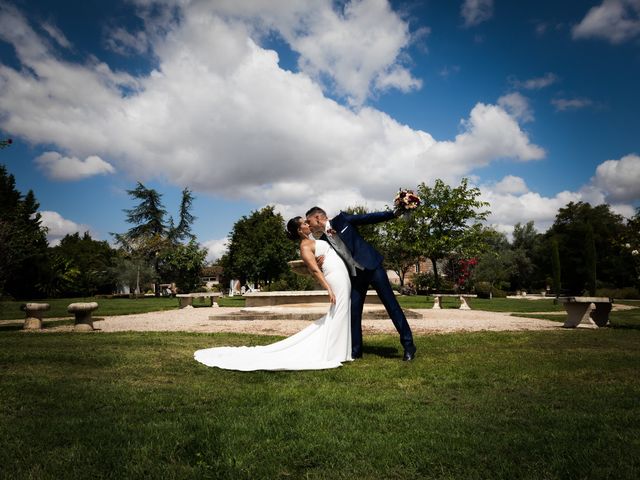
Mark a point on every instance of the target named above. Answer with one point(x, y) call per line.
point(345, 225)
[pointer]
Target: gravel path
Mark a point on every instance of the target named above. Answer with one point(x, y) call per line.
point(197, 320)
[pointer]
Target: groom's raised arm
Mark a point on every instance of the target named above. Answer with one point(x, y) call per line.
point(368, 218)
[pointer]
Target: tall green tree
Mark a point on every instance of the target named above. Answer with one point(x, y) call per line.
point(153, 236)
point(571, 228)
point(556, 267)
point(258, 249)
point(23, 242)
point(397, 242)
point(92, 259)
point(183, 264)
point(523, 246)
point(496, 264)
point(631, 243)
point(449, 222)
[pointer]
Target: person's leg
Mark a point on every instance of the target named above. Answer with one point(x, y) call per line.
point(380, 282)
point(359, 286)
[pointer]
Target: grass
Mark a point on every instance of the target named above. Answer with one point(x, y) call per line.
point(10, 310)
point(484, 405)
point(617, 318)
point(493, 305)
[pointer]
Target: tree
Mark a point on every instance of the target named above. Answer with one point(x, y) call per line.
point(92, 259)
point(571, 228)
point(258, 249)
point(152, 236)
point(496, 264)
point(183, 264)
point(556, 268)
point(23, 242)
point(525, 240)
point(445, 222)
point(397, 243)
point(631, 243)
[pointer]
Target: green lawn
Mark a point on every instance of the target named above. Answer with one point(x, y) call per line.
point(617, 319)
point(560, 404)
point(493, 305)
point(10, 310)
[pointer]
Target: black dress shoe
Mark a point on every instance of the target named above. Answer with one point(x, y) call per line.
point(409, 354)
point(356, 355)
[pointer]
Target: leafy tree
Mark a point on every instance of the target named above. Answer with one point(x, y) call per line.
point(60, 278)
point(397, 243)
point(590, 261)
point(152, 236)
point(496, 264)
point(23, 242)
point(571, 228)
point(258, 249)
point(631, 243)
point(132, 271)
point(448, 222)
point(92, 259)
point(183, 263)
point(556, 268)
point(523, 246)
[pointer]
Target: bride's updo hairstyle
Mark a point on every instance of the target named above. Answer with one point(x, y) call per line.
point(292, 228)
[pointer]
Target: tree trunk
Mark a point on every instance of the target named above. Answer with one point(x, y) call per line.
point(436, 277)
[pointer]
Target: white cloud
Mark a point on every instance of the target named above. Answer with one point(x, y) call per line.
point(536, 83)
point(58, 227)
point(511, 185)
point(564, 104)
point(616, 183)
point(215, 248)
point(219, 115)
point(59, 167)
point(616, 21)
point(55, 33)
point(517, 105)
point(357, 46)
point(475, 12)
point(620, 178)
point(126, 43)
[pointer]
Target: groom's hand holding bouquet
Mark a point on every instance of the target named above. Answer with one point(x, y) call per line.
point(405, 202)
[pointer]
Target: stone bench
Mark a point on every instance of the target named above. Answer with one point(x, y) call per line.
point(82, 312)
point(286, 297)
point(463, 303)
point(33, 311)
point(579, 310)
point(186, 299)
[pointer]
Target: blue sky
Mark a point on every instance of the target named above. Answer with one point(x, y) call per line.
point(300, 103)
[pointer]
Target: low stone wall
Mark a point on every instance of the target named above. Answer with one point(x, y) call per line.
point(267, 299)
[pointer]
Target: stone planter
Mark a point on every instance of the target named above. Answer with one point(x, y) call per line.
point(82, 312)
point(33, 311)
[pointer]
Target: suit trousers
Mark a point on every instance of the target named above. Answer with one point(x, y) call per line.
point(379, 280)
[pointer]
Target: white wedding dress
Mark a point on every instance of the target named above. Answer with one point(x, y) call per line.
point(324, 344)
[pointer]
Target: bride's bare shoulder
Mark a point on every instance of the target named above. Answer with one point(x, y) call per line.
point(307, 243)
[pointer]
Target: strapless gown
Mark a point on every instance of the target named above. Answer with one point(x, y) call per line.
point(326, 343)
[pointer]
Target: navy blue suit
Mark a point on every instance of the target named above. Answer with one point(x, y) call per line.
point(373, 274)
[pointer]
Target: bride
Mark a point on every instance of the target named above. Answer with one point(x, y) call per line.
point(324, 344)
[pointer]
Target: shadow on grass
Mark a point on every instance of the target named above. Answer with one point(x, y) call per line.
point(385, 352)
point(10, 328)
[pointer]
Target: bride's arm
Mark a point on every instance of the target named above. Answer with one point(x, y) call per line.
point(307, 253)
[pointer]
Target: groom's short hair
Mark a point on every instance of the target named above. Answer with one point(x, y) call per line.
point(314, 210)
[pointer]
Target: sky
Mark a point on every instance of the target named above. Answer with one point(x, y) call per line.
point(315, 102)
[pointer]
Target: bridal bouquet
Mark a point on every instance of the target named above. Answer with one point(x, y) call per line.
point(406, 201)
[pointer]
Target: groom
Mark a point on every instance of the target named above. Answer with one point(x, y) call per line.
point(365, 268)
